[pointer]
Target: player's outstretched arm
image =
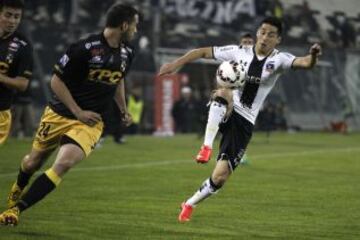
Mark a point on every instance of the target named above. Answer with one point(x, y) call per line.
point(310, 60)
point(188, 57)
point(62, 92)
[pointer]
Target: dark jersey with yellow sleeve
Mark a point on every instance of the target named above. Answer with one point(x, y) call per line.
point(16, 60)
point(91, 70)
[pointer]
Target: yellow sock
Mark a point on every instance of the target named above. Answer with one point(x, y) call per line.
point(51, 174)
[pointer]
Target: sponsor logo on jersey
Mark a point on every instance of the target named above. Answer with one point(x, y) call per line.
point(95, 43)
point(23, 42)
point(123, 51)
point(88, 45)
point(105, 76)
point(96, 59)
point(129, 49)
point(123, 66)
point(14, 45)
point(64, 60)
point(223, 49)
point(253, 79)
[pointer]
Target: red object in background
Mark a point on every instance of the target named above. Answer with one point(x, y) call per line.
point(340, 126)
point(167, 91)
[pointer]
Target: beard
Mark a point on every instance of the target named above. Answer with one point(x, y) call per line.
point(6, 33)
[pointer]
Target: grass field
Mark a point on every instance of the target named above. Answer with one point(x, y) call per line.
point(297, 186)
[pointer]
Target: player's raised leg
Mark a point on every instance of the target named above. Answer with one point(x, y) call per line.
point(220, 107)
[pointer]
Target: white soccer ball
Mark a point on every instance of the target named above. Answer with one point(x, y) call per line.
point(231, 74)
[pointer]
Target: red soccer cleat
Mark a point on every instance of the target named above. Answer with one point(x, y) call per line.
point(204, 154)
point(185, 213)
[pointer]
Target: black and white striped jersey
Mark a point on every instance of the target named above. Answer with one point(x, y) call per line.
point(262, 74)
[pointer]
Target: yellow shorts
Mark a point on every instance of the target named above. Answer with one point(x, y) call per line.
point(53, 126)
point(5, 124)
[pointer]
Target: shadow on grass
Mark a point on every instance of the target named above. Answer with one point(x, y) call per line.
point(28, 234)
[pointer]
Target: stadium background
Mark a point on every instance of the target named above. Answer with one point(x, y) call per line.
point(310, 100)
point(298, 185)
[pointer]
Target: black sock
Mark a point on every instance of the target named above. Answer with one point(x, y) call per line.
point(213, 185)
point(38, 190)
point(23, 178)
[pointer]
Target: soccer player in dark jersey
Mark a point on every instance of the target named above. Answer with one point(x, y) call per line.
point(234, 112)
point(15, 60)
point(86, 80)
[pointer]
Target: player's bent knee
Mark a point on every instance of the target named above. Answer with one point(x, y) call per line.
point(224, 93)
point(34, 160)
point(31, 162)
point(27, 163)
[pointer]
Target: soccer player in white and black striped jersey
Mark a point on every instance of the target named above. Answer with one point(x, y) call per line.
point(234, 112)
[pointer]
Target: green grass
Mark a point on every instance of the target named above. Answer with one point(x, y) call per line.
point(297, 186)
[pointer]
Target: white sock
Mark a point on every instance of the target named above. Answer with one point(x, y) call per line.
point(216, 115)
point(204, 192)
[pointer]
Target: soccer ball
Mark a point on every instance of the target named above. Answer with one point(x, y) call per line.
point(231, 74)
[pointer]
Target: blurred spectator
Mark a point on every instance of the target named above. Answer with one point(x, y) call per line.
point(262, 6)
point(346, 31)
point(308, 20)
point(184, 112)
point(23, 115)
point(203, 110)
point(113, 124)
point(246, 39)
point(276, 9)
point(135, 108)
point(265, 121)
point(280, 122)
point(348, 113)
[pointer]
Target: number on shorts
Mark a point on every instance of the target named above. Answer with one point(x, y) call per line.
point(44, 130)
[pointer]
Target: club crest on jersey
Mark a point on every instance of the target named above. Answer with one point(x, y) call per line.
point(270, 66)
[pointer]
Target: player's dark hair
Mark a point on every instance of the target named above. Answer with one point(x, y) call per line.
point(274, 21)
point(246, 35)
point(17, 4)
point(120, 13)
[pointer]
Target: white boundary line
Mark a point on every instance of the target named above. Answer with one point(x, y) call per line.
point(162, 163)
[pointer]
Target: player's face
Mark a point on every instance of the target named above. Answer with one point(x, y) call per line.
point(9, 20)
point(247, 41)
point(132, 29)
point(267, 38)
